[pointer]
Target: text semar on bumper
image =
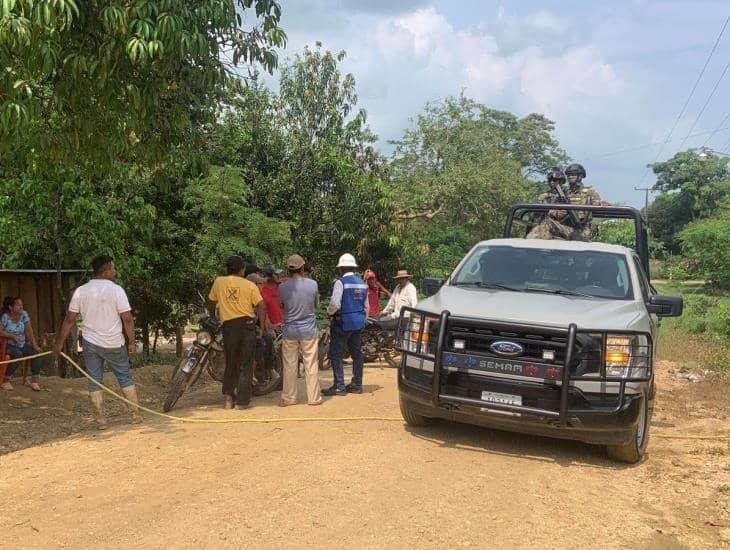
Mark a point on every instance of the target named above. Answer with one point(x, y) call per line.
point(556, 382)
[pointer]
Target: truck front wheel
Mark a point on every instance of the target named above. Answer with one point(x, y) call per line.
point(635, 450)
point(412, 418)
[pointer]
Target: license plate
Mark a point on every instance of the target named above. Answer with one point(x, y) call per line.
point(501, 398)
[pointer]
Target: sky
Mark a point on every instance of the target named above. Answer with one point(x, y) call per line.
point(613, 75)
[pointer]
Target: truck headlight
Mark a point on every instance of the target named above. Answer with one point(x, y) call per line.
point(419, 334)
point(627, 356)
point(203, 338)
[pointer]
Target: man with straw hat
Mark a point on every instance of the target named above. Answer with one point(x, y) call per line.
point(404, 295)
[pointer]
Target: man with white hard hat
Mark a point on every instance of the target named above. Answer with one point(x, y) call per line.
point(348, 311)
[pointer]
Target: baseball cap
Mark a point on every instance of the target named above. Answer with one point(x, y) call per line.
point(256, 278)
point(270, 270)
point(295, 261)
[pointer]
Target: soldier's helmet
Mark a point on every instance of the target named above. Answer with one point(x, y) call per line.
point(575, 169)
point(556, 175)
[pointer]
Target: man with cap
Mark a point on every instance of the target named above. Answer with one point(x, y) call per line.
point(270, 294)
point(348, 311)
point(239, 305)
point(264, 353)
point(299, 297)
point(404, 295)
point(375, 289)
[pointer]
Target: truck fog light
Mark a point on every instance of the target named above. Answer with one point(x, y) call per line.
point(548, 355)
point(459, 344)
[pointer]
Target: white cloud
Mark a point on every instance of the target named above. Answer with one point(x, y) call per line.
point(420, 56)
point(591, 71)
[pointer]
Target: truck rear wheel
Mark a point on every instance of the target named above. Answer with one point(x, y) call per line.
point(412, 418)
point(635, 450)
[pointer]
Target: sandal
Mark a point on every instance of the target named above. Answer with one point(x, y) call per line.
point(7, 386)
point(283, 403)
point(316, 403)
point(32, 384)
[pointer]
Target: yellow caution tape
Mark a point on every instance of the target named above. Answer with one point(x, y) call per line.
point(272, 420)
point(238, 420)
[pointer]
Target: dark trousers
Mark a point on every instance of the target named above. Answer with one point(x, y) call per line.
point(353, 341)
point(265, 352)
point(16, 352)
point(239, 344)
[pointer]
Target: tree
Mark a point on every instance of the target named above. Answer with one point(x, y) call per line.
point(457, 172)
point(703, 183)
point(307, 156)
point(120, 79)
point(666, 216)
point(227, 223)
point(707, 243)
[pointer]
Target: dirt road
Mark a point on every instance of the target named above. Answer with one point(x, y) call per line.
point(360, 484)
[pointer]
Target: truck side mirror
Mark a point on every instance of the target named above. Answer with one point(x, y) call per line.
point(431, 285)
point(665, 306)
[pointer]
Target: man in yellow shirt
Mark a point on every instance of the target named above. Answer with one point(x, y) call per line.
point(239, 303)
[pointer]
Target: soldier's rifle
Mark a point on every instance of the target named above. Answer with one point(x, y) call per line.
point(564, 200)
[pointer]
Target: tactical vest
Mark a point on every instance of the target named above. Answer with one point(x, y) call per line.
point(585, 195)
point(353, 308)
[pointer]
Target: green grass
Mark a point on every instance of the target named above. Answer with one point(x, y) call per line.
point(700, 338)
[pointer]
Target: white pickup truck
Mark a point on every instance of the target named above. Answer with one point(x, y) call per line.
point(546, 337)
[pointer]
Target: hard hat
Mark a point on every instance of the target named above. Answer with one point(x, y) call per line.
point(347, 260)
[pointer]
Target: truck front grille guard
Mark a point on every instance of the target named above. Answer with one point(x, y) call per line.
point(423, 335)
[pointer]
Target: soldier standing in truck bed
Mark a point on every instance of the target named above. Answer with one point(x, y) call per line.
point(557, 224)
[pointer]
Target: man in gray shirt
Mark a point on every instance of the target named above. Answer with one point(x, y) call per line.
point(299, 297)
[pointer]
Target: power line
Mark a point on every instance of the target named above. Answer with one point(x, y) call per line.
point(724, 120)
point(654, 143)
point(709, 97)
point(691, 93)
point(725, 148)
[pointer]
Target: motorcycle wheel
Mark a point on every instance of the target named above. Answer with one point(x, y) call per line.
point(216, 366)
point(274, 381)
point(392, 358)
point(178, 385)
point(323, 356)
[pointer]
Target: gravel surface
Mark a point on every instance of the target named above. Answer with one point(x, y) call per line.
point(361, 484)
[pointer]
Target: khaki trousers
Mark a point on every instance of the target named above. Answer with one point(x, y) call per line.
point(290, 350)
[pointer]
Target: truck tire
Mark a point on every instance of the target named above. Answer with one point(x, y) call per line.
point(635, 450)
point(412, 418)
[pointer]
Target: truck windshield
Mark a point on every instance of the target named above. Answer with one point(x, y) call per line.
point(566, 272)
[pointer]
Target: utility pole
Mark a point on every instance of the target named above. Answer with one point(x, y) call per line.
point(646, 191)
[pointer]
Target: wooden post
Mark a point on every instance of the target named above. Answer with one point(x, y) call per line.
point(179, 341)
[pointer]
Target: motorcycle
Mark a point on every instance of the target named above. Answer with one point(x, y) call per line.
point(206, 354)
point(378, 344)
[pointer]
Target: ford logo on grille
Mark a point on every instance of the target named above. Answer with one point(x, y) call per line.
point(508, 349)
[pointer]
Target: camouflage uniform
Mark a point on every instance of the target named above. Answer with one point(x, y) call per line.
point(552, 228)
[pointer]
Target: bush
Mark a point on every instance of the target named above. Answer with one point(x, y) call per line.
point(677, 268)
point(707, 243)
point(658, 269)
point(701, 336)
point(718, 318)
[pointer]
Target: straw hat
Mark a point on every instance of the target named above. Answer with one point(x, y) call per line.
point(402, 274)
point(295, 261)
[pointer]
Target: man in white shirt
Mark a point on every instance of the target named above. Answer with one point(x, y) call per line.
point(404, 295)
point(106, 318)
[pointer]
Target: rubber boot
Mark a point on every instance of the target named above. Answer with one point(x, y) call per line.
point(97, 400)
point(130, 392)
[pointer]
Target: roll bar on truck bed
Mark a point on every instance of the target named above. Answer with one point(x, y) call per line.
point(518, 212)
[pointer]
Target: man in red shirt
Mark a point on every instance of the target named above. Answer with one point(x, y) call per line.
point(270, 294)
point(374, 291)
